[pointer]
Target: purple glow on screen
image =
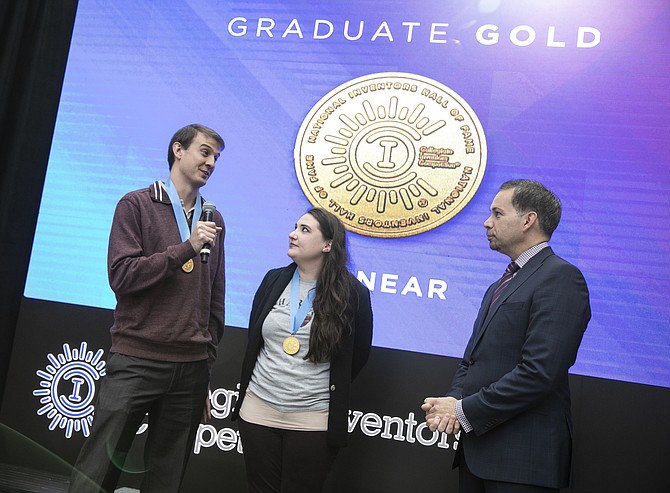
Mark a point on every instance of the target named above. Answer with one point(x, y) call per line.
point(588, 119)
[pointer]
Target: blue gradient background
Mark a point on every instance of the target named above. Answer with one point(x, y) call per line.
point(592, 124)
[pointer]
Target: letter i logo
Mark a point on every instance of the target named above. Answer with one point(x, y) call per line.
point(67, 388)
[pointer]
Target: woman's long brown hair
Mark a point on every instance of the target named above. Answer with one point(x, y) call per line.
point(333, 317)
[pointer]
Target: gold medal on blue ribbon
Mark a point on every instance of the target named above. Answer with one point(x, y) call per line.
point(299, 312)
point(291, 345)
point(180, 218)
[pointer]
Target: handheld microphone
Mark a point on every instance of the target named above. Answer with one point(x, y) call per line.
point(208, 209)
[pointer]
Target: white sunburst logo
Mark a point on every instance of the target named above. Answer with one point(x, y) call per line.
point(68, 388)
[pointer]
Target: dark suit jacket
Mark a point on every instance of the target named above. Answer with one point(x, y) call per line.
point(344, 366)
point(513, 379)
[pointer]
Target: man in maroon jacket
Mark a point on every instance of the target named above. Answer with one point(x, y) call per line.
point(168, 320)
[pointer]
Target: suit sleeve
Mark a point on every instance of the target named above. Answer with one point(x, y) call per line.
point(259, 297)
point(558, 314)
point(456, 389)
point(362, 330)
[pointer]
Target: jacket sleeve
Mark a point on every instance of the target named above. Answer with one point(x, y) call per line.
point(362, 330)
point(130, 267)
point(259, 298)
point(254, 336)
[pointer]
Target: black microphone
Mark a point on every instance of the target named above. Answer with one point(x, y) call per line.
point(208, 209)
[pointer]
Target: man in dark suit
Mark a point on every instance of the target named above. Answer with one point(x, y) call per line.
point(510, 396)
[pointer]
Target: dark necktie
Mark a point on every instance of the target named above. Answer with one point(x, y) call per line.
point(504, 281)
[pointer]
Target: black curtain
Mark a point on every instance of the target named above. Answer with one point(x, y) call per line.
point(34, 42)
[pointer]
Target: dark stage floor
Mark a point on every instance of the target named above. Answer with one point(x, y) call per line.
point(15, 479)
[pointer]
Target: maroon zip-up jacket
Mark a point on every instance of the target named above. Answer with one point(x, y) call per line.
point(163, 313)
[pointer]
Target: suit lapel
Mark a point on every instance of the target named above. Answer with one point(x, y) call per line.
point(519, 279)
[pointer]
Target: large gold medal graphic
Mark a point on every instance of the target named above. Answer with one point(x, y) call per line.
point(391, 154)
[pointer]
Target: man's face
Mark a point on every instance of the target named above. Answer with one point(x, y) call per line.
point(504, 228)
point(196, 163)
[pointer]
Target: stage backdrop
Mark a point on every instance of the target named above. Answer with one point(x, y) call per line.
point(402, 117)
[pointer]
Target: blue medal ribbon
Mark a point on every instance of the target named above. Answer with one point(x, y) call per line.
point(179, 214)
point(299, 310)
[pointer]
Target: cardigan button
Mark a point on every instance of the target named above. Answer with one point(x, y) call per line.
point(332, 388)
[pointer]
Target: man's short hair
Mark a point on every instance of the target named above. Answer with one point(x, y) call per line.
point(530, 195)
point(185, 136)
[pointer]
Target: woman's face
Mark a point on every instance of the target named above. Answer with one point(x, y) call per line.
point(306, 242)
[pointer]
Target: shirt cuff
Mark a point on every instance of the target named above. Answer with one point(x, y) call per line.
point(465, 424)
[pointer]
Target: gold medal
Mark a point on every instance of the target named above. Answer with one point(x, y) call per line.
point(188, 266)
point(391, 154)
point(291, 345)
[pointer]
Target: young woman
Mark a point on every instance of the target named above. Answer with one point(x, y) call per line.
point(310, 332)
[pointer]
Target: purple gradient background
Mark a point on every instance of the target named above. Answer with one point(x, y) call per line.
point(592, 124)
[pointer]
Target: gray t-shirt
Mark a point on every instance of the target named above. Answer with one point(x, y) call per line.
point(289, 383)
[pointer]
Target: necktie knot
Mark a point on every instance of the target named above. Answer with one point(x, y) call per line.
point(512, 268)
point(504, 280)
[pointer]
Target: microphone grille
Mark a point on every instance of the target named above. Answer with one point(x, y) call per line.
point(208, 206)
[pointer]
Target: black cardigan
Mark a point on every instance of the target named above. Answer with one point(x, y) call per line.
point(344, 365)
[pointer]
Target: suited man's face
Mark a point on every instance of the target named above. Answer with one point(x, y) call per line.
point(504, 227)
